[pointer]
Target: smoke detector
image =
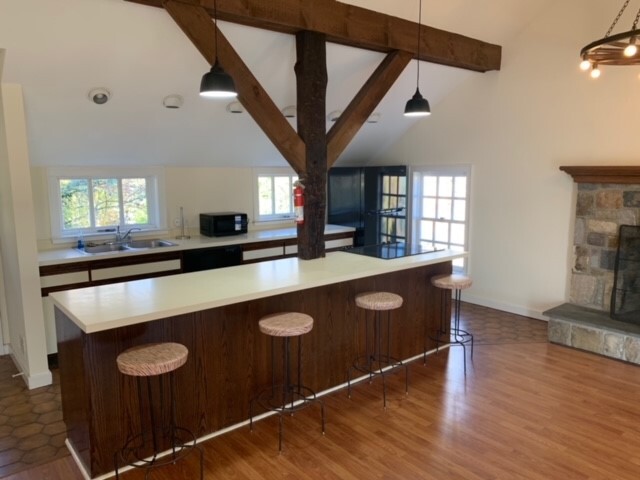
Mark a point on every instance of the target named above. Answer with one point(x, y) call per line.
point(334, 116)
point(374, 118)
point(290, 112)
point(173, 101)
point(235, 107)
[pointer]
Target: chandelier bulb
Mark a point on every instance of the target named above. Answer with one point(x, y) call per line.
point(631, 49)
point(595, 71)
point(585, 65)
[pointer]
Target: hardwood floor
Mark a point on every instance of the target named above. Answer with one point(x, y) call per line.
point(525, 410)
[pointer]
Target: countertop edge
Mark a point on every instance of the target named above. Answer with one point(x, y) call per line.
point(95, 309)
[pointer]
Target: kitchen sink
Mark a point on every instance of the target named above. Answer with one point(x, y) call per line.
point(104, 247)
point(152, 243)
point(131, 245)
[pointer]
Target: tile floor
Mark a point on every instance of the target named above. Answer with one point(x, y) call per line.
point(31, 426)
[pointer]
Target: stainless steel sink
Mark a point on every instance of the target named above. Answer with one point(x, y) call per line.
point(152, 243)
point(131, 245)
point(104, 247)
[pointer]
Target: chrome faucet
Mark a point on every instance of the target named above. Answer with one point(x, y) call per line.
point(126, 237)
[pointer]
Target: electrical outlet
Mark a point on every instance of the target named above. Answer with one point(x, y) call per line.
point(176, 222)
point(22, 344)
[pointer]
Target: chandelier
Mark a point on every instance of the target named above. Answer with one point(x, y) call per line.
point(619, 49)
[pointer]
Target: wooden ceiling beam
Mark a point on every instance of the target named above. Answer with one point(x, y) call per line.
point(364, 103)
point(197, 24)
point(355, 27)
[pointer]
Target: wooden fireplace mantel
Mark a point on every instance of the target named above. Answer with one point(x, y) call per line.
point(613, 174)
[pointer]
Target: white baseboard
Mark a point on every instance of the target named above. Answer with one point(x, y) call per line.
point(505, 307)
point(36, 380)
point(41, 379)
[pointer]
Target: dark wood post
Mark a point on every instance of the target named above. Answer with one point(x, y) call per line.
point(311, 77)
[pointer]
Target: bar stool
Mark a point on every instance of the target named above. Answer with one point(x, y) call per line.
point(155, 361)
point(286, 397)
point(455, 336)
point(375, 360)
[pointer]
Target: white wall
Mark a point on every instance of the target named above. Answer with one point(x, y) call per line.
point(516, 127)
point(18, 239)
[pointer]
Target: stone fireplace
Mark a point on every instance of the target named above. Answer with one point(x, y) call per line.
point(607, 198)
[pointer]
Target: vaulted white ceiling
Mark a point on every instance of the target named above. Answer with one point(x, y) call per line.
point(59, 50)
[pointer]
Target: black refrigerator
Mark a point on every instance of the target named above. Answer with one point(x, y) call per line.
point(373, 200)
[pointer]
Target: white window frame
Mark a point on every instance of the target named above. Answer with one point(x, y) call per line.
point(417, 174)
point(155, 177)
point(271, 172)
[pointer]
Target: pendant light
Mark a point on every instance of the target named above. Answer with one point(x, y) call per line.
point(217, 83)
point(418, 106)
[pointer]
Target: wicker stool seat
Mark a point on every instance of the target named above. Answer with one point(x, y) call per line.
point(142, 450)
point(289, 324)
point(376, 359)
point(286, 397)
point(453, 335)
point(379, 301)
point(152, 359)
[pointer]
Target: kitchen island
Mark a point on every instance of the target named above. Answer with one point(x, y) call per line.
point(215, 315)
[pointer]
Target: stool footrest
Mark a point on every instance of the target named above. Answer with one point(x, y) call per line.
point(455, 336)
point(286, 399)
point(135, 452)
point(283, 399)
point(384, 363)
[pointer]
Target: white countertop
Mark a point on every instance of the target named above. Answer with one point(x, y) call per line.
point(105, 307)
point(70, 255)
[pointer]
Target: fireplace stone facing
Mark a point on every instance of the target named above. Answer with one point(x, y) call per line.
point(600, 210)
point(607, 198)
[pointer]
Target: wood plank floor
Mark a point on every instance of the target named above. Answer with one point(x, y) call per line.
point(525, 410)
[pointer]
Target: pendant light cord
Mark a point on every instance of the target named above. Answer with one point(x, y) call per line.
point(215, 24)
point(418, 60)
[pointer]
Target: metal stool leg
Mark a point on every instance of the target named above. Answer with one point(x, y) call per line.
point(377, 352)
point(288, 397)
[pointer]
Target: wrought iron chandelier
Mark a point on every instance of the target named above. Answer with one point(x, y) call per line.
point(619, 49)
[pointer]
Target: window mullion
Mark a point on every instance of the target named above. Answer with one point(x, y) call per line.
point(121, 203)
point(92, 216)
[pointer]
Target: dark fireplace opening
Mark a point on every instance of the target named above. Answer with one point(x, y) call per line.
point(625, 296)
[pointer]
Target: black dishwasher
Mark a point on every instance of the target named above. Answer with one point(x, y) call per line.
point(209, 258)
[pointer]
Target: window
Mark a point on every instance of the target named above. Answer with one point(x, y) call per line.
point(440, 209)
point(393, 221)
point(274, 198)
point(93, 201)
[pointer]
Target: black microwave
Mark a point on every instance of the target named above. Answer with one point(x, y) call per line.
point(220, 224)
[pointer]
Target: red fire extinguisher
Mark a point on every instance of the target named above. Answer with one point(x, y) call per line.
point(298, 202)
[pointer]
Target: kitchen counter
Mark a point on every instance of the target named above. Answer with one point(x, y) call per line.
point(69, 255)
point(94, 309)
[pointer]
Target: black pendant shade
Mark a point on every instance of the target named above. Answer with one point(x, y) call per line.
point(417, 106)
point(217, 83)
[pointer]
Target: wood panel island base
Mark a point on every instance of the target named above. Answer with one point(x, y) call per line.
point(215, 315)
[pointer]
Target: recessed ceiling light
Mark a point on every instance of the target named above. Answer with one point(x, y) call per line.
point(99, 96)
